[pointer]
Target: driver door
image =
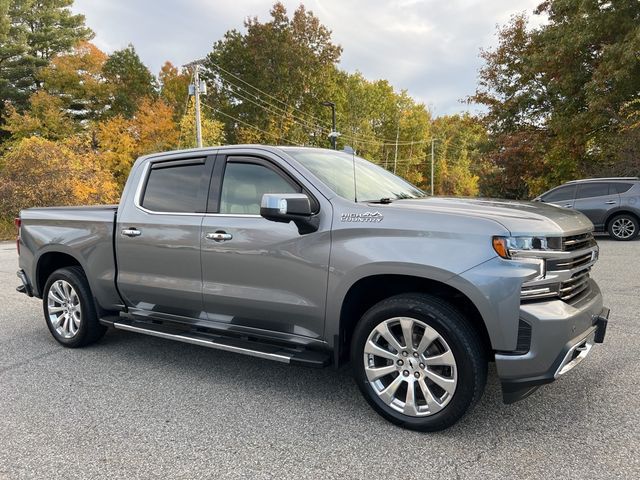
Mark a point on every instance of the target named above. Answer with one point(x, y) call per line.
point(257, 274)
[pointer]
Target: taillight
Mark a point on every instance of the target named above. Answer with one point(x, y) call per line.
point(18, 223)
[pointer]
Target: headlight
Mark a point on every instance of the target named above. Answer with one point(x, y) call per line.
point(532, 247)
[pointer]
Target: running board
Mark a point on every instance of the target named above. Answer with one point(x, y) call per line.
point(276, 353)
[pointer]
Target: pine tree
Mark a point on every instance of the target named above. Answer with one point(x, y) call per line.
point(31, 33)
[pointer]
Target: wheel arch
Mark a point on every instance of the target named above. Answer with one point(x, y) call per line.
point(615, 213)
point(369, 290)
point(50, 261)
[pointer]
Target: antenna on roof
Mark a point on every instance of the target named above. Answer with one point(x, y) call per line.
point(348, 149)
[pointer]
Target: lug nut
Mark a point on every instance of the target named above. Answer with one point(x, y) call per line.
point(405, 373)
point(400, 362)
point(422, 366)
point(415, 354)
point(405, 354)
point(417, 374)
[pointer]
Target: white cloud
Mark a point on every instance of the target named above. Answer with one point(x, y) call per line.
point(429, 47)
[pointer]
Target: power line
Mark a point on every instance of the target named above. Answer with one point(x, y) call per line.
point(354, 136)
point(286, 115)
point(273, 135)
point(262, 91)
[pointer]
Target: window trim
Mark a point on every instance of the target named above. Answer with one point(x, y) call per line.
point(207, 161)
point(217, 179)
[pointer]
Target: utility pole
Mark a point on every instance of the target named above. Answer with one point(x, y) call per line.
point(196, 88)
point(334, 134)
point(433, 141)
point(395, 158)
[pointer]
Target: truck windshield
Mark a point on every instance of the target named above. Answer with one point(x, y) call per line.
point(373, 183)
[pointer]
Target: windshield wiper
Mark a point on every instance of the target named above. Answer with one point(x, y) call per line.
point(383, 201)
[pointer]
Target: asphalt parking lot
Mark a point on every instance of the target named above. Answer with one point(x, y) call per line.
point(134, 406)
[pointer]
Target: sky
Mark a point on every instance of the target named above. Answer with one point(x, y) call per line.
point(428, 47)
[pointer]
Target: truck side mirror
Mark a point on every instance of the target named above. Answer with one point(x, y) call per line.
point(290, 207)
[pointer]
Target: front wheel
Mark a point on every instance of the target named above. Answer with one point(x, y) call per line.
point(418, 362)
point(623, 227)
point(69, 309)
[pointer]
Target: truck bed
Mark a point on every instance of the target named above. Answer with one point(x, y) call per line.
point(84, 233)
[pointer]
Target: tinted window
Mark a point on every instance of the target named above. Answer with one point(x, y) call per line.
point(587, 190)
point(245, 183)
point(173, 189)
point(621, 187)
point(560, 194)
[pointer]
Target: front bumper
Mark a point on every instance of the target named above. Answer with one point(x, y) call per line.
point(562, 335)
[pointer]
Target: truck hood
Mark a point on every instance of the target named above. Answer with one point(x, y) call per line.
point(519, 217)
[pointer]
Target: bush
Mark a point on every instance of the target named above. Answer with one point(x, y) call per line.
point(36, 173)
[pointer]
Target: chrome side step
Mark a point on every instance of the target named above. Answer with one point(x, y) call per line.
point(234, 345)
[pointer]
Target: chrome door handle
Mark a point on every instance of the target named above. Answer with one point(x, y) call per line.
point(610, 202)
point(568, 206)
point(131, 232)
point(219, 236)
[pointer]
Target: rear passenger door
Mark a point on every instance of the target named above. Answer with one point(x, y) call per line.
point(158, 239)
point(595, 199)
point(259, 275)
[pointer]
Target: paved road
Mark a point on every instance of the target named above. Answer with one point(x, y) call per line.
point(139, 407)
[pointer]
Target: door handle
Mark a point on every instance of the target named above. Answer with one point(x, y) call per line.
point(568, 206)
point(610, 202)
point(131, 232)
point(219, 236)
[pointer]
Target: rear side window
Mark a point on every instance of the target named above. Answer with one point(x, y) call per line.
point(174, 188)
point(560, 194)
point(587, 190)
point(620, 187)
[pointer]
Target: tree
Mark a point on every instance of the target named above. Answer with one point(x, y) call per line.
point(291, 59)
point(565, 85)
point(121, 140)
point(174, 88)
point(45, 118)
point(37, 31)
point(212, 130)
point(460, 140)
point(131, 81)
point(77, 79)
point(39, 172)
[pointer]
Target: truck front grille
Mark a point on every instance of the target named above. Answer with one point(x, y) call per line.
point(570, 263)
point(566, 278)
point(577, 284)
point(578, 242)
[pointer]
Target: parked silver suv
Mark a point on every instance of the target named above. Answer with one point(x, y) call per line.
point(612, 204)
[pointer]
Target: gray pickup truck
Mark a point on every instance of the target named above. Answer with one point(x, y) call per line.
point(317, 257)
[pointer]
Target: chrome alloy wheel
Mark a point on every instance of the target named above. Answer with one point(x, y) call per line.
point(623, 227)
point(410, 366)
point(63, 307)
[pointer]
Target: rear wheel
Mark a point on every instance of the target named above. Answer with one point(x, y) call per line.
point(623, 227)
point(418, 362)
point(69, 310)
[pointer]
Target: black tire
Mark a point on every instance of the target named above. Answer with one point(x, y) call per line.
point(453, 327)
point(629, 221)
point(90, 329)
